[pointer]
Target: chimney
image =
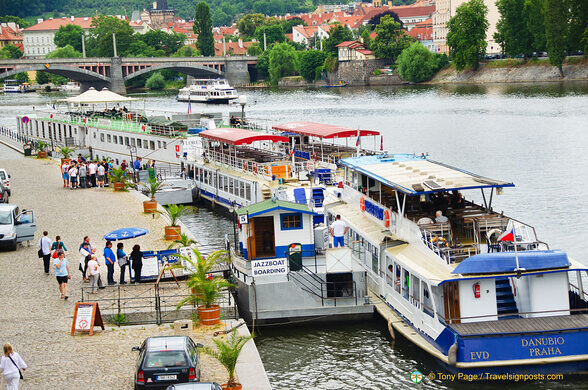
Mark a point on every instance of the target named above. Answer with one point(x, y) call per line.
point(240, 43)
point(72, 18)
point(40, 20)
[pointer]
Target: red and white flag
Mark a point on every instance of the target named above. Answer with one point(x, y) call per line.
point(507, 236)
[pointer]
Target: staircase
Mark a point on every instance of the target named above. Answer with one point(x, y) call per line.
point(266, 193)
point(505, 300)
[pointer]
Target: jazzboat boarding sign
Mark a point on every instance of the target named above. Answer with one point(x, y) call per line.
point(86, 317)
point(269, 267)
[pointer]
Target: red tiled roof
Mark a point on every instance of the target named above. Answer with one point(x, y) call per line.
point(407, 12)
point(7, 33)
point(365, 52)
point(231, 47)
point(290, 37)
point(422, 30)
point(54, 24)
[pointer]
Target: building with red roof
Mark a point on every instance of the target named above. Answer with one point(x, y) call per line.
point(423, 32)
point(354, 51)
point(38, 39)
point(306, 34)
point(10, 34)
point(238, 48)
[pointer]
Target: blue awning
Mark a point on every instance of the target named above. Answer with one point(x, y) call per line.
point(502, 262)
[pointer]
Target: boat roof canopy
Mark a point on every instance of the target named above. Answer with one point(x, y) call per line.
point(229, 135)
point(321, 130)
point(502, 262)
point(270, 205)
point(92, 96)
point(415, 175)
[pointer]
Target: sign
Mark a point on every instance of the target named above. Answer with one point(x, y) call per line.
point(86, 317)
point(243, 220)
point(25, 119)
point(150, 267)
point(269, 267)
point(373, 209)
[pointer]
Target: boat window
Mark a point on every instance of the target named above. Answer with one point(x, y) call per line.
point(115, 139)
point(152, 145)
point(397, 273)
point(415, 291)
point(139, 143)
point(158, 144)
point(291, 221)
point(109, 138)
point(120, 139)
point(231, 186)
point(375, 260)
point(101, 137)
point(405, 283)
point(127, 141)
point(132, 142)
point(248, 191)
point(242, 189)
point(427, 302)
point(164, 144)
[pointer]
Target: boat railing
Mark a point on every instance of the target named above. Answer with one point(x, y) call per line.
point(280, 169)
point(578, 296)
point(442, 247)
point(496, 317)
point(326, 291)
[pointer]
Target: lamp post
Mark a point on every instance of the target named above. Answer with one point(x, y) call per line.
point(243, 103)
point(84, 43)
point(114, 42)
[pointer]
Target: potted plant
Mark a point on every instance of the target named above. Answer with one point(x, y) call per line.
point(119, 178)
point(173, 213)
point(66, 152)
point(183, 241)
point(150, 206)
point(227, 353)
point(41, 147)
point(205, 288)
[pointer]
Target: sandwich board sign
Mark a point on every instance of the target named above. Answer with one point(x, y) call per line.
point(86, 317)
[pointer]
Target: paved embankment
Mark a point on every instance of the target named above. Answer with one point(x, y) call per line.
point(34, 318)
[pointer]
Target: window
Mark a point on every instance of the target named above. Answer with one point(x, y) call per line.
point(132, 142)
point(291, 221)
point(109, 139)
point(164, 144)
point(101, 137)
point(127, 141)
point(139, 143)
point(120, 139)
point(115, 139)
point(158, 144)
point(152, 145)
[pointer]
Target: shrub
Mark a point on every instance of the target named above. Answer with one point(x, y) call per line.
point(156, 81)
point(416, 63)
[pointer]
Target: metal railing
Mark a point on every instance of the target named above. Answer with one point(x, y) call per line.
point(313, 284)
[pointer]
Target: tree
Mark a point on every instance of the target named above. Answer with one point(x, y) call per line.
point(466, 37)
point(365, 36)
point(10, 51)
point(203, 28)
point(220, 18)
point(100, 44)
point(283, 61)
point(273, 33)
point(64, 52)
point(160, 40)
point(391, 39)
point(186, 51)
point(254, 49)
point(263, 64)
point(374, 21)
point(155, 81)
point(535, 11)
point(416, 63)
point(585, 40)
point(556, 29)
point(337, 34)
point(15, 19)
point(309, 62)
point(42, 77)
point(70, 34)
point(578, 22)
point(288, 24)
point(513, 28)
point(249, 23)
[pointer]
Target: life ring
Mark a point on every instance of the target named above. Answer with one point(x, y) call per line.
point(254, 168)
point(386, 218)
point(314, 156)
point(362, 203)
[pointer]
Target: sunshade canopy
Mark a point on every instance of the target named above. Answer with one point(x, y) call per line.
point(233, 136)
point(125, 233)
point(493, 263)
point(415, 175)
point(321, 130)
point(269, 205)
point(92, 96)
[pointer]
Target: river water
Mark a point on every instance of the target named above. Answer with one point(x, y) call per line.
point(535, 135)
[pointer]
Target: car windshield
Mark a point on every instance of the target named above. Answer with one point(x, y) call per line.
point(2, 175)
point(166, 359)
point(5, 218)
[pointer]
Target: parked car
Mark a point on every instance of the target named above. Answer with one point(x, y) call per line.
point(166, 360)
point(195, 386)
point(16, 226)
point(4, 194)
point(5, 179)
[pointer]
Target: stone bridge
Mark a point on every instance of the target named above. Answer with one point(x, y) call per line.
point(113, 72)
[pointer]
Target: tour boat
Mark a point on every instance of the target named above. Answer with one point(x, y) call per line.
point(17, 86)
point(208, 91)
point(71, 86)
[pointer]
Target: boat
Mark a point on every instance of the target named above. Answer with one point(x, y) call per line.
point(71, 86)
point(17, 86)
point(340, 85)
point(213, 91)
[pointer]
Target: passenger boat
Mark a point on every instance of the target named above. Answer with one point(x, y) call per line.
point(208, 91)
point(71, 86)
point(17, 86)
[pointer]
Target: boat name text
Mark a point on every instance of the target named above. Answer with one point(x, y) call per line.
point(548, 346)
point(374, 210)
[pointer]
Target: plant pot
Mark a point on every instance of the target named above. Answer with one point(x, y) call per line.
point(236, 386)
point(118, 186)
point(149, 206)
point(172, 233)
point(209, 315)
point(42, 154)
point(65, 160)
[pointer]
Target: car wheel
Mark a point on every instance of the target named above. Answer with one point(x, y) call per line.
point(13, 246)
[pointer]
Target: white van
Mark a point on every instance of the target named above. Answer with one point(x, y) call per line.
point(5, 179)
point(16, 226)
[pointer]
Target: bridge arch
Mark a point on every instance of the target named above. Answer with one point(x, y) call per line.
point(71, 72)
point(190, 69)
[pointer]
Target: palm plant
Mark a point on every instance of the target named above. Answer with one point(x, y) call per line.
point(154, 186)
point(174, 212)
point(118, 175)
point(183, 241)
point(227, 353)
point(41, 146)
point(66, 151)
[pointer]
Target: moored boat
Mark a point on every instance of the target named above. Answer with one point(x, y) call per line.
point(212, 91)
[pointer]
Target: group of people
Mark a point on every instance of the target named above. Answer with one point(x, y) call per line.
point(85, 174)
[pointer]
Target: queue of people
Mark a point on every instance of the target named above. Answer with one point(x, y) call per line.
point(85, 174)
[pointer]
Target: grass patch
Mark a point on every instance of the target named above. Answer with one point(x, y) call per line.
point(293, 78)
point(576, 60)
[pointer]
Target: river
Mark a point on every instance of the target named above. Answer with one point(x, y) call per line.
point(535, 135)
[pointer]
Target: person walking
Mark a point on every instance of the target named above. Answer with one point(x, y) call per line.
point(123, 261)
point(57, 246)
point(338, 230)
point(65, 174)
point(137, 262)
point(62, 273)
point(82, 174)
point(11, 363)
point(73, 176)
point(109, 260)
point(45, 246)
point(94, 273)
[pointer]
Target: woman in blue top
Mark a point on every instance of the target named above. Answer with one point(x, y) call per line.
point(123, 261)
point(62, 273)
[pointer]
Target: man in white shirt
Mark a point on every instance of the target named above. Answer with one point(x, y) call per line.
point(338, 230)
point(440, 218)
point(92, 169)
point(101, 171)
point(73, 177)
point(45, 246)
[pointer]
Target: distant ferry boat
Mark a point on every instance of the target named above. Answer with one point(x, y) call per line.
point(71, 86)
point(17, 86)
point(208, 91)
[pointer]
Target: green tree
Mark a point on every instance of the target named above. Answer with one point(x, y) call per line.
point(416, 63)
point(263, 64)
point(283, 61)
point(220, 18)
point(100, 43)
point(512, 29)
point(203, 28)
point(578, 22)
point(337, 34)
point(391, 39)
point(249, 23)
point(70, 34)
point(186, 51)
point(64, 52)
point(309, 62)
point(585, 40)
point(155, 81)
point(10, 51)
point(288, 24)
point(160, 40)
point(535, 11)
point(254, 49)
point(556, 29)
point(273, 33)
point(42, 77)
point(466, 37)
point(367, 40)
point(21, 22)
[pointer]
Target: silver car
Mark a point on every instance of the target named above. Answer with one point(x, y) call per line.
point(16, 226)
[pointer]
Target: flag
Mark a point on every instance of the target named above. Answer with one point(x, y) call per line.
point(381, 142)
point(507, 236)
point(292, 152)
point(357, 141)
point(189, 107)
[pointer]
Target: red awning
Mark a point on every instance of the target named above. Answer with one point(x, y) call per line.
point(321, 130)
point(240, 136)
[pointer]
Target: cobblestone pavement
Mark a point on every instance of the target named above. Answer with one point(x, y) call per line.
point(34, 318)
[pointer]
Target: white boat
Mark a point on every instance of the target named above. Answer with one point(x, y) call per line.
point(71, 86)
point(17, 86)
point(207, 91)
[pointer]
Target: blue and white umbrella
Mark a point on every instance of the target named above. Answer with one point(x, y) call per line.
point(125, 233)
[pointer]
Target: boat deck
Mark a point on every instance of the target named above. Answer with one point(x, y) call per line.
point(522, 325)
